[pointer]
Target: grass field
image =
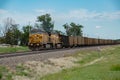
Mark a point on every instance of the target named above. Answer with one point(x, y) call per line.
point(106, 69)
point(92, 65)
point(13, 49)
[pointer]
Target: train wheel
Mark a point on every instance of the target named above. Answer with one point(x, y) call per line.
point(51, 46)
point(58, 45)
point(48, 46)
point(44, 46)
point(32, 48)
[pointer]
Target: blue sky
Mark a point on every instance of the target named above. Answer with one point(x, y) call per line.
point(100, 18)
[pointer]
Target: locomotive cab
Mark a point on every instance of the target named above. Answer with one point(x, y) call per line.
point(55, 40)
point(37, 39)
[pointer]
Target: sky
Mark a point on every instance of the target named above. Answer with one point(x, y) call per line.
point(100, 18)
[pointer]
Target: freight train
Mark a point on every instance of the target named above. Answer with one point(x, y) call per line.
point(41, 40)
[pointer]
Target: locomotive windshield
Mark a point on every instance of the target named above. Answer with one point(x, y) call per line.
point(34, 31)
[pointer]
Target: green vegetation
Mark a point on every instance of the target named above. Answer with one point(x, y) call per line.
point(8, 74)
point(22, 71)
point(46, 23)
point(73, 29)
point(13, 35)
point(108, 68)
point(115, 67)
point(5, 74)
point(13, 49)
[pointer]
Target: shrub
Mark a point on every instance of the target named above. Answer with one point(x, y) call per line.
point(115, 67)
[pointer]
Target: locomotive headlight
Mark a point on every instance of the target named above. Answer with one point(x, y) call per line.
point(37, 44)
point(35, 35)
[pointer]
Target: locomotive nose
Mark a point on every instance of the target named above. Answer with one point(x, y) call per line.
point(35, 38)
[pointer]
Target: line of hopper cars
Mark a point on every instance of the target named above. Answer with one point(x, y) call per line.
point(41, 40)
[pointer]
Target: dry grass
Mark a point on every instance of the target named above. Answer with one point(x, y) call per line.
point(51, 65)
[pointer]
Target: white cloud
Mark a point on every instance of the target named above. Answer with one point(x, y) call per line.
point(44, 11)
point(98, 27)
point(19, 18)
point(60, 18)
point(84, 14)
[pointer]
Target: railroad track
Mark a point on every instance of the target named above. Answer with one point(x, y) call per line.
point(6, 55)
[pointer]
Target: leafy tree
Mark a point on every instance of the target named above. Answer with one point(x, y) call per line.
point(8, 37)
point(16, 34)
point(11, 33)
point(67, 27)
point(73, 29)
point(25, 34)
point(2, 40)
point(46, 22)
point(76, 29)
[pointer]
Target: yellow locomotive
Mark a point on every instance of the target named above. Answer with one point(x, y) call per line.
point(41, 40)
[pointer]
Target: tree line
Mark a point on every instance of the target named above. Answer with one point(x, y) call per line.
point(11, 34)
